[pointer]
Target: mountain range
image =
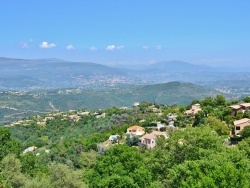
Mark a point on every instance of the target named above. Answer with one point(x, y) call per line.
point(31, 74)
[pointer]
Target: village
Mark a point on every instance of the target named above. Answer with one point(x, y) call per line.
point(145, 133)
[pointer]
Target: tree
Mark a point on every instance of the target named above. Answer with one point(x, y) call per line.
point(32, 166)
point(245, 133)
point(246, 99)
point(220, 100)
point(244, 146)
point(7, 144)
point(220, 127)
point(192, 143)
point(208, 101)
point(63, 176)
point(122, 166)
point(199, 117)
point(218, 170)
point(12, 170)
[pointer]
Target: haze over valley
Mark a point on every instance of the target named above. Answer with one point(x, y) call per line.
point(44, 85)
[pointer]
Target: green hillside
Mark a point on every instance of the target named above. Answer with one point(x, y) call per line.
point(16, 105)
point(76, 148)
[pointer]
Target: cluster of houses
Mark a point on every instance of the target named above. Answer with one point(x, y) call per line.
point(148, 139)
point(237, 108)
point(239, 125)
point(33, 148)
point(73, 115)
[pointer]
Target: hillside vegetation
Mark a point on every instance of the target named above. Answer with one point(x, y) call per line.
point(72, 149)
point(14, 105)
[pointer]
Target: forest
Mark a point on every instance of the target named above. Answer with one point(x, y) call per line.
point(76, 152)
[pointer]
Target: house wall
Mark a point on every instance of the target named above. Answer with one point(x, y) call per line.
point(137, 132)
point(240, 127)
point(150, 143)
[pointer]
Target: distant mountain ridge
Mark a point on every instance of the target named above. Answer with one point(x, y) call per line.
point(180, 66)
point(52, 73)
point(56, 73)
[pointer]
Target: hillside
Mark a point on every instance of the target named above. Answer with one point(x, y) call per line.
point(141, 145)
point(15, 105)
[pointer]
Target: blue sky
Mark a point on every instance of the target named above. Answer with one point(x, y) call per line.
point(127, 32)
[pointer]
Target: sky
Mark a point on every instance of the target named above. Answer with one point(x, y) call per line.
point(127, 32)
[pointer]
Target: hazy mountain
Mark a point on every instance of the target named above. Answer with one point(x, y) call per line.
point(50, 67)
point(52, 73)
point(180, 66)
point(56, 73)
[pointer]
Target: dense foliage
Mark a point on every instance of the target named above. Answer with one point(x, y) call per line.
point(77, 153)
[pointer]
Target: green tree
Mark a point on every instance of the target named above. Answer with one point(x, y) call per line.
point(220, 127)
point(220, 100)
point(122, 165)
point(245, 133)
point(11, 169)
point(7, 144)
point(32, 166)
point(192, 143)
point(62, 176)
point(226, 169)
point(246, 99)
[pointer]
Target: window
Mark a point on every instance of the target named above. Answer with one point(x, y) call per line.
point(237, 128)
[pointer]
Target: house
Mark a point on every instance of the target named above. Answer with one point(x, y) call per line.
point(32, 148)
point(113, 137)
point(171, 116)
point(240, 124)
point(155, 109)
point(84, 113)
point(74, 117)
point(136, 103)
point(48, 118)
point(123, 108)
point(135, 130)
point(194, 110)
point(236, 108)
point(161, 125)
point(243, 107)
point(103, 115)
point(149, 140)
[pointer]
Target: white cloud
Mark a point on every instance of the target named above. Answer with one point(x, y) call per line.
point(47, 45)
point(120, 47)
point(110, 47)
point(145, 47)
point(31, 40)
point(113, 47)
point(70, 47)
point(24, 45)
point(158, 47)
point(93, 48)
